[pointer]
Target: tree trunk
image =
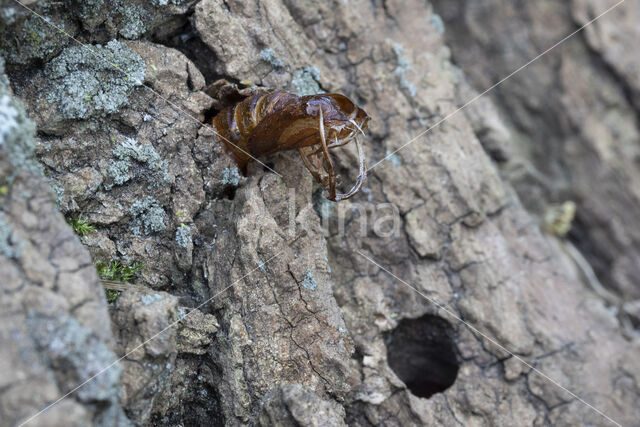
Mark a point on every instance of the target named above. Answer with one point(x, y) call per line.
point(446, 292)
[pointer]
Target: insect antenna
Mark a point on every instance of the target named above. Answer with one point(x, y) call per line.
point(353, 122)
point(329, 164)
point(361, 175)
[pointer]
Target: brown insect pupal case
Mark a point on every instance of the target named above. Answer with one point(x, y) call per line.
point(266, 123)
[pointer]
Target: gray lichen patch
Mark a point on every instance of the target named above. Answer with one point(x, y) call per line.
point(183, 236)
point(147, 299)
point(91, 81)
point(134, 21)
point(394, 158)
point(130, 150)
point(24, 40)
point(79, 354)
point(323, 207)
point(88, 9)
point(231, 176)
point(401, 70)
point(269, 55)
point(309, 282)
point(305, 81)
point(147, 217)
point(8, 117)
point(9, 244)
point(119, 172)
point(16, 135)
point(437, 23)
point(130, 19)
point(7, 15)
point(166, 2)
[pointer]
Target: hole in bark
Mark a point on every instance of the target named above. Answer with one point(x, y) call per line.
point(186, 39)
point(229, 193)
point(423, 354)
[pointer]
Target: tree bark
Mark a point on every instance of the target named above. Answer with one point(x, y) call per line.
point(433, 297)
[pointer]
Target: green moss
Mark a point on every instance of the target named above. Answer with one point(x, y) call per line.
point(33, 38)
point(81, 226)
point(117, 272)
point(112, 295)
point(559, 218)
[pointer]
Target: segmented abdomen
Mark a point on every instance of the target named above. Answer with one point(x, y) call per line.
point(236, 124)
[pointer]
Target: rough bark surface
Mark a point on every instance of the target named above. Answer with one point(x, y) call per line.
point(573, 114)
point(55, 324)
point(281, 317)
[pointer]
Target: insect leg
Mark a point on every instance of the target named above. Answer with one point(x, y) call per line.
point(327, 157)
point(343, 141)
point(335, 144)
point(308, 165)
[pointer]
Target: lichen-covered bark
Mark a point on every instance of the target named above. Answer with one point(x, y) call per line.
point(54, 329)
point(293, 325)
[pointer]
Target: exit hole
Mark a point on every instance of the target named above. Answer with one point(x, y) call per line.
point(423, 354)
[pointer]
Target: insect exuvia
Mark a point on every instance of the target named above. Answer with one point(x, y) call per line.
point(267, 123)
